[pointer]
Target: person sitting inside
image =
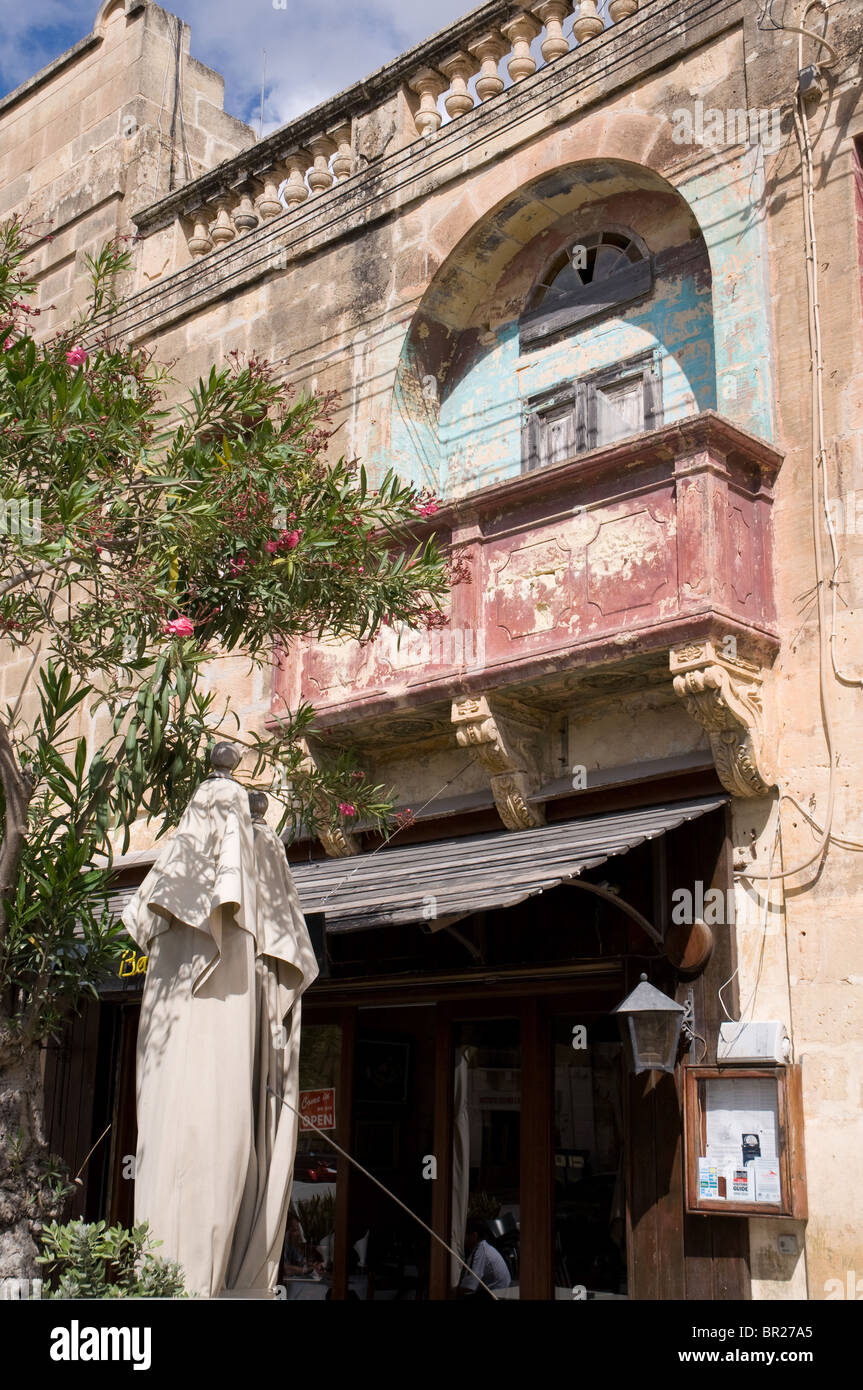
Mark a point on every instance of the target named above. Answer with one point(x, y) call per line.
point(486, 1263)
point(298, 1257)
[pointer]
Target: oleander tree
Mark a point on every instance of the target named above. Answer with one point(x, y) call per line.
point(146, 529)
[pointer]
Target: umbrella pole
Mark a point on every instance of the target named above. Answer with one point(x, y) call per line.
point(379, 1184)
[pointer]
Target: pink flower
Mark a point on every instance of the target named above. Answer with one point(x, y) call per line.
point(347, 809)
point(272, 546)
point(7, 344)
point(76, 357)
point(179, 627)
point(289, 540)
point(237, 564)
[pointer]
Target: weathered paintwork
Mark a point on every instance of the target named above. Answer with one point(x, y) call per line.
point(623, 551)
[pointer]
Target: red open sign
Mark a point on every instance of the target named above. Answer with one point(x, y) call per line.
point(318, 1109)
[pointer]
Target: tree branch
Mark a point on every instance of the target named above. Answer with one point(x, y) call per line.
point(17, 790)
point(24, 575)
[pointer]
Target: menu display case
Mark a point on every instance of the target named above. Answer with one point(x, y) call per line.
point(744, 1141)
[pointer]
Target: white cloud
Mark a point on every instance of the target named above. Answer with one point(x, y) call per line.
point(314, 48)
point(33, 35)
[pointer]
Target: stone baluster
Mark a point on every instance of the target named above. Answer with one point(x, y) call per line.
point(553, 13)
point(296, 165)
point(245, 217)
point(428, 85)
point(459, 68)
point(621, 9)
point(223, 230)
point(269, 204)
point(343, 161)
point(521, 30)
point(588, 22)
point(320, 177)
point(489, 48)
point(200, 242)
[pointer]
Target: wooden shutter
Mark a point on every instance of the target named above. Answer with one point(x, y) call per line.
point(531, 431)
point(653, 409)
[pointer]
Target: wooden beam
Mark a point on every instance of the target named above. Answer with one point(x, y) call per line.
point(441, 1218)
point(536, 1173)
point(344, 1117)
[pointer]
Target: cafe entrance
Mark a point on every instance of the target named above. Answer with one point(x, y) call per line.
point(474, 1065)
point(460, 1048)
point(509, 1111)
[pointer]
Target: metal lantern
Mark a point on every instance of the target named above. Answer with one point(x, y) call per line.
point(650, 1025)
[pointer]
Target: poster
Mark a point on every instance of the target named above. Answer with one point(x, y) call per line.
point(741, 1138)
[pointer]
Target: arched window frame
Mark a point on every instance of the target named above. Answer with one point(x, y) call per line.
point(591, 301)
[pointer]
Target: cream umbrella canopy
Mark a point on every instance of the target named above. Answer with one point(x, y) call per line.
point(229, 957)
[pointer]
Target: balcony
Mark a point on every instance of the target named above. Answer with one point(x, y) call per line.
point(597, 568)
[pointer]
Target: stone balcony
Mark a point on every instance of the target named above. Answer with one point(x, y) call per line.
point(441, 80)
point(649, 560)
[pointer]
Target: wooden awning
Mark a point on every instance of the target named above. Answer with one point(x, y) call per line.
point(447, 879)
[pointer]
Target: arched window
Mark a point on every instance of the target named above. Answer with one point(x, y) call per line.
point(594, 275)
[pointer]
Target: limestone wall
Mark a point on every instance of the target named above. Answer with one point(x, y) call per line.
point(339, 288)
point(87, 141)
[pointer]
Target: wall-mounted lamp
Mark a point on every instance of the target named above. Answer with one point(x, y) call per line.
point(651, 1024)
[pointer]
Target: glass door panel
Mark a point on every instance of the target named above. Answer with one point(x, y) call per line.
point(588, 1156)
point(307, 1256)
point(486, 1186)
point(393, 1138)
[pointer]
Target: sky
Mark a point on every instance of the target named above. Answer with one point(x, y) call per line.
point(314, 48)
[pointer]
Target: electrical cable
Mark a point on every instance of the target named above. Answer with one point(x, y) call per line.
point(173, 135)
point(836, 839)
point(767, 13)
point(777, 830)
point(187, 161)
point(818, 472)
point(160, 132)
point(840, 675)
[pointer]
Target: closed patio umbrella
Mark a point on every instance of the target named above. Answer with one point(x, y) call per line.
point(229, 957)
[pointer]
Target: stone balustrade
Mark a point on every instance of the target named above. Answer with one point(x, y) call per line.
point(445, 85)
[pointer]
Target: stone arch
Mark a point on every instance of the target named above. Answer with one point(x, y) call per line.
point(462, 379)
point(484, 245)
point(109, 11)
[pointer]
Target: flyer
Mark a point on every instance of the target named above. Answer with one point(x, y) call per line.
point(741, 1187)
point(708, 1180)
point(767, 1183)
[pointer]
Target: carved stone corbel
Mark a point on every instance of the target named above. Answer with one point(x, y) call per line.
point(338, 842)
point(505, 751)
point(722, 691)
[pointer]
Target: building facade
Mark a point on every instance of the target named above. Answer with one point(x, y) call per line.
point(592, 275)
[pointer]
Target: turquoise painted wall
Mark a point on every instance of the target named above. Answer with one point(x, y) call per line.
point(729, 201)
point(481, 413)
